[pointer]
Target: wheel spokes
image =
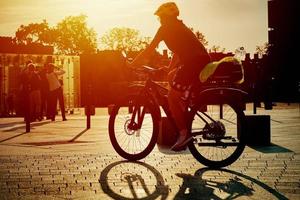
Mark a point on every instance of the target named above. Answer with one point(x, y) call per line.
point(136, 133)
point(210, 141)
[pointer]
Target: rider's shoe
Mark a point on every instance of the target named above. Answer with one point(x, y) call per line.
point(181, 143)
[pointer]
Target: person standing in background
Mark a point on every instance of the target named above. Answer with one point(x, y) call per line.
point(10, 100)
point(61, 100)
point(34, 94)
point(55, 90)
point(44, 93)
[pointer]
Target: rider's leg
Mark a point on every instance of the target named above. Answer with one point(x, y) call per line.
point(177, 108)
point(178, 111)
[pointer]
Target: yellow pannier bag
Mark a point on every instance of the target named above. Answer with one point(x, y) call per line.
point(228, 69)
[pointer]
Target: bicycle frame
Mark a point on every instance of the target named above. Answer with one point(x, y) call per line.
point(150, 97)
point(151, 91)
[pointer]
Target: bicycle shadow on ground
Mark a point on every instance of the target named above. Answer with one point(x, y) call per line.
point(209, 183)
point(272, 148)
point(133, 180)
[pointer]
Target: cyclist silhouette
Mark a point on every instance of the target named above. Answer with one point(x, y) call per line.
point(189, 58)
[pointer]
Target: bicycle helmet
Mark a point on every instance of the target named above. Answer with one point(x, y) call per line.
point(167, 9)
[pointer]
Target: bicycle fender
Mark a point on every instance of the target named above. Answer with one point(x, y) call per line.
point(221, 95)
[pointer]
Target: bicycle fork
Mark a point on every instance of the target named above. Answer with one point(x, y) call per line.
point(139, 115)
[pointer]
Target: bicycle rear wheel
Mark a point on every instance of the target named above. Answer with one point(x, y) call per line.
point(133, 132)
point(218, 141)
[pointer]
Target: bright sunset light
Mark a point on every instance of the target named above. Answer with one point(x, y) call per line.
point(149, 99)
point(229, 24)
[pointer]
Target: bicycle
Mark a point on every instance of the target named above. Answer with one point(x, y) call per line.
point(215, 121)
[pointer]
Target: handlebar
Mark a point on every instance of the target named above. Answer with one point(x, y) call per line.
point(144, 69)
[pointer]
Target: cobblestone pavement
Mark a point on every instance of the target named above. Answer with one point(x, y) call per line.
point(62, 160)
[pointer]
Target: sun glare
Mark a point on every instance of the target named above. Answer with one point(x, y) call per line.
point(212, 18)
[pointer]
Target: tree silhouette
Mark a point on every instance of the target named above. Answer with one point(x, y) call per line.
point(71, 36)
point(36, 33)
point(262, 49)
point(124, 39)
point(217, 48)
point(200, 36)
point(74, 37)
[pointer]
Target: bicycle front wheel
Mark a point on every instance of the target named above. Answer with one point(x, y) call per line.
point(133, 129)
point(217, 134)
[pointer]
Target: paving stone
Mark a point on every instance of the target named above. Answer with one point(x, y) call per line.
point(75, 170)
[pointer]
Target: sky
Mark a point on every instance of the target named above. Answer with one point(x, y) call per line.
point(227, 23)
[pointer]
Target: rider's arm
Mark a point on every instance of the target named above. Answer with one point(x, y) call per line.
point(148, 51)
point(59, 71)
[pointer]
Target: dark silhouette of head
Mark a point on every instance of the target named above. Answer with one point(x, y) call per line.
point(31, 67)
point(50, 67)
point(28, 62)
point(167, 12)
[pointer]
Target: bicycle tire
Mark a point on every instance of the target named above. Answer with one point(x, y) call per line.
point(155, 128)
point(205, 160)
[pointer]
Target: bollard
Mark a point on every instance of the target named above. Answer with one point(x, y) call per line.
point(89, 110)
point(88, 117)
point(254, 108)
point(88, 121)
point(27, 111)
point(27, 121)
point(257, 130)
